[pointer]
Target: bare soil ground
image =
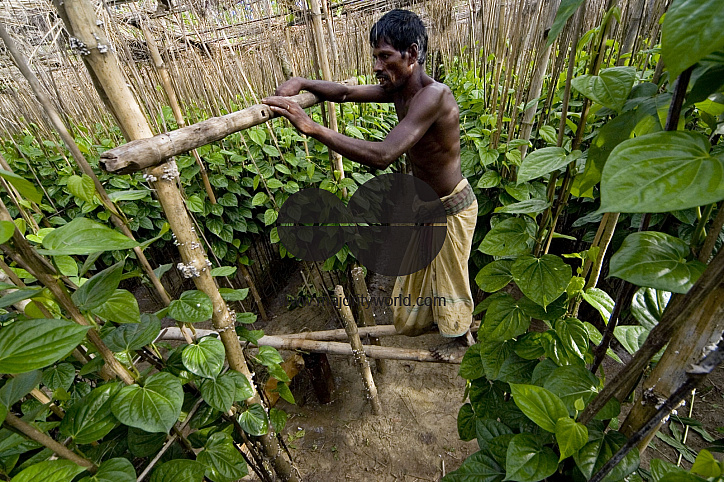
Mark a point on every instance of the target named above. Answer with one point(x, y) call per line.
point(414, 438)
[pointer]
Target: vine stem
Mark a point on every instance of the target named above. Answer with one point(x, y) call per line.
point(694, 377)
point(714, 231)
point(43, 439)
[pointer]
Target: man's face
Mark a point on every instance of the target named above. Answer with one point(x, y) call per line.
point(391, 68)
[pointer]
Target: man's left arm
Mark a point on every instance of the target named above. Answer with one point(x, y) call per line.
point(424, 111)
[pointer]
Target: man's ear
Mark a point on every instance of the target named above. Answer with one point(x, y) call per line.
point(413, 52)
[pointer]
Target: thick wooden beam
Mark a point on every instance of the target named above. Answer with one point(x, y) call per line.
point(149, 152)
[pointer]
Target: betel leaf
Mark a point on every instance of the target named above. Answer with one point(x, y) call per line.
point(223, 271)
point(83, 236)
point(516, 369)
point(573, 336)
point(121, 307)
point(479, 467)
point(205, 358)
point(59, 376)
point(529, 206)
point(7, 228)
point(493, 354)
point(504, 319)
point(541, 279)
point(223, 461)
point(543, 161)
point(278, 419)
point(540, 405)
point(510, 237)
point(656, 260)
point(30, 344)
point(179, 470)
point(486, 429)
point(219, 392)
point(229, 294)
point(609, 88)
point(113, 470)
point(134, 335)
point(631, 337)
point(90, 418)
point(528, 460)
point(66, 265)
point(18, 295)
point(471, 366)
point(50, 471)
point(144, 444)
point(706, 465)
point(600, 300)
point(153, 407)
point(570, 436)
point(253, 420)
point(565, 10)
point(3, 413)
point(692, 30)
point(18, 386)
point(82, 187)
point(269, 356)
point(94, 292)
point(570, 383)
point(660, 172)
point(129, 195)
point(244, 390)
point(648, 306)
point(193, 306)
point(598, 451)
point(466, 423)
point(24, 187)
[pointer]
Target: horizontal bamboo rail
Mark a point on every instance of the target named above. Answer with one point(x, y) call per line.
point(144, 153)
point(329, 347)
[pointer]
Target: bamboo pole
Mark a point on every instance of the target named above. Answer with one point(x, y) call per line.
point(142, 153)
point(678, 312)
point(82, 22)
point(536, 84)
point(34, 434)
point(358, 352)
point(318, 342)
point(59, 125)
point(368, 317)
point(254, 293)
point(335, 157)
point(173, 102)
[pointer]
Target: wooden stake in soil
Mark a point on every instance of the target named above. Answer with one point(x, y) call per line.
point(252, 287)
point(358, 350)
point(368, 317)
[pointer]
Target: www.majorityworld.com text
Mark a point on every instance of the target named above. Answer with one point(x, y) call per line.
point(399, 300)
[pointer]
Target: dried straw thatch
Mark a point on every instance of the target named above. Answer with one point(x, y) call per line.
point(223, 53)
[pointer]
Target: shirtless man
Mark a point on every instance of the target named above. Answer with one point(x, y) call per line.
point(429, 133)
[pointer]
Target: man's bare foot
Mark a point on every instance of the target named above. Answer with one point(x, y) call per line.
point(454, 350)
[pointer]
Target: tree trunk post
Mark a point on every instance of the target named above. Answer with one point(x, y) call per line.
point(358, 350)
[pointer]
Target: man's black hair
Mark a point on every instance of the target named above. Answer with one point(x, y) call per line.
point(401, 28)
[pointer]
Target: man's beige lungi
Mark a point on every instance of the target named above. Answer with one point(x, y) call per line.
point(440, 293)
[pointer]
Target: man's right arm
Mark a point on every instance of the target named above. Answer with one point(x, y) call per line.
point(332, 91)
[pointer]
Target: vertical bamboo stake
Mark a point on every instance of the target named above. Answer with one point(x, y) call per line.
point(81, 22)
point(173, 101)
point(252, 287)
point(358, 350)
point(326, 75)
point(536, 84)
point(80, 159)
point(368, 318)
